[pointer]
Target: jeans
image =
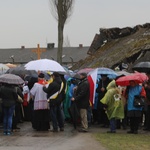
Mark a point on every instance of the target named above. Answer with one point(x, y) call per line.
point(56, 116)
point(7, 119)
point(113, 124)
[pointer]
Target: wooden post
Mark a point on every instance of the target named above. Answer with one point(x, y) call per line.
point(38, 51)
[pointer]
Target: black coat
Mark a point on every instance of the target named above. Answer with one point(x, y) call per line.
point(9, 95)
point(101, 84)
point(52, 89)
point(82, 94)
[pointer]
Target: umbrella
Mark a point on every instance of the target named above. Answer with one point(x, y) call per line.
point(75, 75)
point(137, 77)
point(107, 71)
point(11, 79)
point(85, 70)
point(21, 71)
point(45, 65)
point(3, 68)
point(11, 65)
point(142, 67)
point(74, 113)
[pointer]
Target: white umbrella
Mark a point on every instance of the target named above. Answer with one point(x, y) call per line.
point(45, 65)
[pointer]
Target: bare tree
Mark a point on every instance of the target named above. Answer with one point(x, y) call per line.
point(61, 11)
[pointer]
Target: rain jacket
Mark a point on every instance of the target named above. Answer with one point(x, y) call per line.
point(115, 108)
point(136, 90)
point(67, 101)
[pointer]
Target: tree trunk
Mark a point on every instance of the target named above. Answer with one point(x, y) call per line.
point(60, 43)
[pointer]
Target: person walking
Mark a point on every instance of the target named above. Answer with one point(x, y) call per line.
point(82, 97)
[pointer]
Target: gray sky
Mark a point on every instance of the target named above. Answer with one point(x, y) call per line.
point(29, 22)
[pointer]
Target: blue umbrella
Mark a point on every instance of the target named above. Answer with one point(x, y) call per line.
point(107, 71)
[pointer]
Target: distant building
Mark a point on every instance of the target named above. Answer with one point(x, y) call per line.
point(22, 55)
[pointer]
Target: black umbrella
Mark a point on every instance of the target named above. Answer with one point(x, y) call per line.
point(142, 67)
point(11, 79)
point(21, 71)
point(74, 113)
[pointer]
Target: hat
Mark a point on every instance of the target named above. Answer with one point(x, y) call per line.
point(41, 75)
point(83, 74)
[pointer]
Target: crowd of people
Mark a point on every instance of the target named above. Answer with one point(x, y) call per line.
point(49, 104)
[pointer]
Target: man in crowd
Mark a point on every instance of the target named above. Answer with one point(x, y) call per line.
point(101, 90)
point(81, 97)
point(54, 95)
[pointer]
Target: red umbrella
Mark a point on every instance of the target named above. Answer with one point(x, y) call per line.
point(137, 77)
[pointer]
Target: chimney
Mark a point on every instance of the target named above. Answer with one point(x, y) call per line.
point(80, 45)
point(22, 47)
point(50, 45)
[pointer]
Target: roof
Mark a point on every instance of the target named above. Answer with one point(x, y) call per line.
point(24, 55)
point(129, 49)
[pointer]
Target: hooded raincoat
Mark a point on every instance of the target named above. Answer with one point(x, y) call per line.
point(115, 107)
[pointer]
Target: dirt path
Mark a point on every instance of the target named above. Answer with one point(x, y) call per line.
point(28, 139)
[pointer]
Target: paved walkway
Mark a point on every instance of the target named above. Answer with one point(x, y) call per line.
point(28, 139)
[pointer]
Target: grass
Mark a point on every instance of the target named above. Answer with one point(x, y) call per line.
point(122, 141)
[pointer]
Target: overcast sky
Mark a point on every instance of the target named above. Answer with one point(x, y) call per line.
point(29, 22)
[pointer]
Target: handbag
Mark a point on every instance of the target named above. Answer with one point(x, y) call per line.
point(139, 101)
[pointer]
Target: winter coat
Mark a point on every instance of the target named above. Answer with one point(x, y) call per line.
point(52, 88)
point(82, 94)
point(9, 95)
point(101, 84)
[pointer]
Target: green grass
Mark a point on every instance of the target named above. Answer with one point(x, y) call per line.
point(122, 141)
